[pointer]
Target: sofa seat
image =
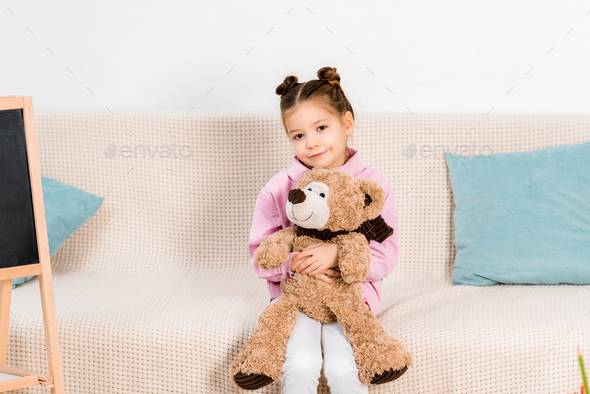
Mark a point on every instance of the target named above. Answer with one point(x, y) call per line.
point(178, 330)
point(512, 338)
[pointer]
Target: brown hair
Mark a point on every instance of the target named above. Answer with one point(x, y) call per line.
point(324, 91)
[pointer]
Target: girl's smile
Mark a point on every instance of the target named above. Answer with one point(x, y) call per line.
point(318, 155)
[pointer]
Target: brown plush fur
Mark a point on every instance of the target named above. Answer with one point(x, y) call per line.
point(379, 356)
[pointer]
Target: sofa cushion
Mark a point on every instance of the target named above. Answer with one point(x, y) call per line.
point(67, 208)
point(178, 330)
point(522, 217)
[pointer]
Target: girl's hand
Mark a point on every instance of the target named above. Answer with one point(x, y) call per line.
point(318, 260)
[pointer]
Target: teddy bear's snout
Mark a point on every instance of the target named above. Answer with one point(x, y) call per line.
point(296, 196)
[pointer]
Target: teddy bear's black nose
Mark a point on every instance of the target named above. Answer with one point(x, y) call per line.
point(296, 196)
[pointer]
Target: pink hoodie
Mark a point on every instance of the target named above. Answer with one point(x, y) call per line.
point(270, 216)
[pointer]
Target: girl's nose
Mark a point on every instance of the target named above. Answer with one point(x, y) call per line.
point(311, 143)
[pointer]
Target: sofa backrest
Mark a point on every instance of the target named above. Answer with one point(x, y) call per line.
point(196, 208)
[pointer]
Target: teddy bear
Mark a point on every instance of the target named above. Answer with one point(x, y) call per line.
point(325, 205)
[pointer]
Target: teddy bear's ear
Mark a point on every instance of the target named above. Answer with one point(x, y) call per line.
point(374, 198)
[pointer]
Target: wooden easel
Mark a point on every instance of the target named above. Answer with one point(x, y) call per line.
point(14, 378)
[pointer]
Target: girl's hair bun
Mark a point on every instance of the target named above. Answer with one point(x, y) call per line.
point(325, 91)
point(329, 74)
point(287, 84)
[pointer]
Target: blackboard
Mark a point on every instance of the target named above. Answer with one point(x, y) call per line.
point(24, 248)
point(18, 240)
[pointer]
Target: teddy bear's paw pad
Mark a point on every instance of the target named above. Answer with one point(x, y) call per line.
point(388, 375)
point(252, 381)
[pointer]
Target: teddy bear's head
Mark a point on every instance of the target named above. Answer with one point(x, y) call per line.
point(331, 200)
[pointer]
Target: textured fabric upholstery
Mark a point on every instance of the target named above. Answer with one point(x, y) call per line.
point(156, 292)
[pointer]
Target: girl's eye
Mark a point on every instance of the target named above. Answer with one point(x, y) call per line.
point(295, 137)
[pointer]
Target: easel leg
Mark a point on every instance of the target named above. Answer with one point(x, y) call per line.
point(5, 293)
point(4, 318)
point(51, 334)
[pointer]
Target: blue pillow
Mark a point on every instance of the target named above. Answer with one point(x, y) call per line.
point(67, 208)
point(522, 217)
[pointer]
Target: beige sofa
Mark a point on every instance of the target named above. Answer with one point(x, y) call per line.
point(156, 294)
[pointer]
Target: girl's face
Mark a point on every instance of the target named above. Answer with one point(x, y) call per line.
point(313, 130)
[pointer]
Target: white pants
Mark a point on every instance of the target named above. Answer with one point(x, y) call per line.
point(313, 347)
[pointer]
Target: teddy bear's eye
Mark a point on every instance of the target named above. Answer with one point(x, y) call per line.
point(322, 195)
point(309, 189)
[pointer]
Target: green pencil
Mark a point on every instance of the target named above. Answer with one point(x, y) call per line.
point(583, 373)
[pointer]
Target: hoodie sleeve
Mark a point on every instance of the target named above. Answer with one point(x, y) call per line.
point(266, 221)
point(385, 256)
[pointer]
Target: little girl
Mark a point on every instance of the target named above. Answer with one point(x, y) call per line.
point(318, 119)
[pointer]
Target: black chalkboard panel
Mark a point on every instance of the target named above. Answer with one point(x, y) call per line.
point(18, 240)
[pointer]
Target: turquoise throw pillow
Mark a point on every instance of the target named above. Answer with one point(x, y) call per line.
point(67, 208)
point(522, 217)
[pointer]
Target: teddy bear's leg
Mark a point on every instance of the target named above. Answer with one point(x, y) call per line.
point(380, 358)
point(260, 362)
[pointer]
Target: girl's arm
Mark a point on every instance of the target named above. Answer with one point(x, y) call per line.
point(385, 256)
point(266, 221)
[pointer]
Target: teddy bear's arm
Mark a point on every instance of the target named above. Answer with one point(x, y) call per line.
point(354, 257)
point(274, 250)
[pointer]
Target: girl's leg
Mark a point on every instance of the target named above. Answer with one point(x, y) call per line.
point(339, 364)
point(303, 361)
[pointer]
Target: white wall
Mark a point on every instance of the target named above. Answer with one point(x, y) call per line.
point(418, 56)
